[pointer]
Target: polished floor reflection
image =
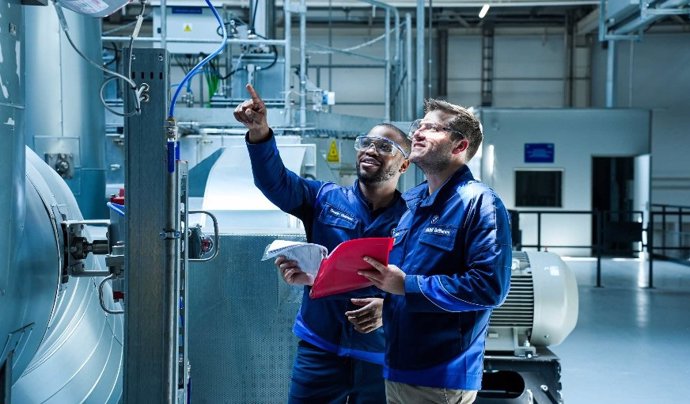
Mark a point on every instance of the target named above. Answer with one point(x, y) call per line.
point(631, 343)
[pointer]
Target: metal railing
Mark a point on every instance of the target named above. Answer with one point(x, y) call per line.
point(667, 233)
point(673, 238)
point(607, 231)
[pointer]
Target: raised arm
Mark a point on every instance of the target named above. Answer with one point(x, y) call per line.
point(287, 190)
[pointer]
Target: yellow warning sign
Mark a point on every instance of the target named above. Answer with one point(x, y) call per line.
point(187, 28)
point(333, 153)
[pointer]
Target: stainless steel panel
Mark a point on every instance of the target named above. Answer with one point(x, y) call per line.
point(62, 100)
point(240, 325)
point(148, 342)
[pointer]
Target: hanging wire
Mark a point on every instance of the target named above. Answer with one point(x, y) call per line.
point(188, 76)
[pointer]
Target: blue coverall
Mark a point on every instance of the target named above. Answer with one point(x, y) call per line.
point(455, 249)
point(333, 360)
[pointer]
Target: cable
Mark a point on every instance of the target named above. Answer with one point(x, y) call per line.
point(138, 93)
point(350, 49)
point(132, 84)
point(116, 54)
point(252, 21)
point(65, 30)
point(188, 76)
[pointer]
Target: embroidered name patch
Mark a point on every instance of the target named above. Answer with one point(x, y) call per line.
point(341, 215)
point(437, 230)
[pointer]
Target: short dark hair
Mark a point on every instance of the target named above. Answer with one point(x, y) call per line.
point(463, 124)
point(403, 141)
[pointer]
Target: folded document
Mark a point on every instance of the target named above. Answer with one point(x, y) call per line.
point(335, 272)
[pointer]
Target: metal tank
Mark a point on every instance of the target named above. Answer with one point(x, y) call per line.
point(56, 343)
point(69, 349)
point(65, 123)
point(60, 345)
point(12, 210)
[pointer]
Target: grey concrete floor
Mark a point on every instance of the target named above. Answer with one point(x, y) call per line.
point(631, 343)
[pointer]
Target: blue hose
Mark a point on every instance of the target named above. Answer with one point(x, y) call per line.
point(191, 73)
point(117, 208)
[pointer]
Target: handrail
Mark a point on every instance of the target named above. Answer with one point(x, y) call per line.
point(675, 211)
point(597, 214)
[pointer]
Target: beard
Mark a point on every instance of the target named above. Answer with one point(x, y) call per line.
point(379, 176)
point(433, 161)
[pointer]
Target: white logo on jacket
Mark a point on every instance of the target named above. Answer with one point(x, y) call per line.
point(437, 230)
point(340, 215)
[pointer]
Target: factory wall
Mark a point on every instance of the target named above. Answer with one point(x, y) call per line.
point(529, 72)
point(577, 136)
point(653, 74)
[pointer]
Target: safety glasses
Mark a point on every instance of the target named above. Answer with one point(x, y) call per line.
point(382, 145)
point(419, 124)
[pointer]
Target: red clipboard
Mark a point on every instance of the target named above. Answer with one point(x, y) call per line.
point(338, 272)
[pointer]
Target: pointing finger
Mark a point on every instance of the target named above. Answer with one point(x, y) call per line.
point(254, 95)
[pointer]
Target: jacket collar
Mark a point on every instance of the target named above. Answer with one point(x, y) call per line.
point(358, 193)
point(419, 195)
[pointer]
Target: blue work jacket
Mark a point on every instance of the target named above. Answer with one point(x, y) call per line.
point(331, 214)
point(455, 249)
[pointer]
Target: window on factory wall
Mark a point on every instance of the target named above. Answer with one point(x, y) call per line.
point(538, 188)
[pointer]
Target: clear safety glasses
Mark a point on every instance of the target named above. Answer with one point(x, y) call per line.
point(382, 145)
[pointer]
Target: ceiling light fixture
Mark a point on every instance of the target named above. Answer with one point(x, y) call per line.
point(484, 10)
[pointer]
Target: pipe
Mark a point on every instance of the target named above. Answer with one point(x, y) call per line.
point(171, 267)
point(643, 21)
point(387, 73)
point(568, 43)
point(611, 75)
point(330, 45)
point(396, 16)
point(288, 61)
point(303, 64)
point(419, 93)
point(277, 42)
point(442, 83)
point(408, 67)
point(429, 55)
point(164, 24)
point(396, 59)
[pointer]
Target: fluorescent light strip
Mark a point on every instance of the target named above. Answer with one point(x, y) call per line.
point(484, 10)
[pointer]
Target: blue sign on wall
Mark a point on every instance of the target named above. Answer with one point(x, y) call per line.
point(539, 152)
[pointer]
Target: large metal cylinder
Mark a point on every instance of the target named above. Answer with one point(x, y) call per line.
point(63, 112)
point(71, 350)
point(11, 175)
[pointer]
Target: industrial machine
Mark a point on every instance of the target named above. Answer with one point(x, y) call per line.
point(130, 308)
point(540, 311)
point(58, 344)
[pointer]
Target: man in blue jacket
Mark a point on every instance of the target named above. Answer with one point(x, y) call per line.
point(341, 346)
point(452, 259)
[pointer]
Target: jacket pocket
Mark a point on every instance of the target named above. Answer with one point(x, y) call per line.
point(336, 217)
point(442, 237)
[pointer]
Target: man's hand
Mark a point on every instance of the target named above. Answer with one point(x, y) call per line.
point(291, 273)
point(368, 317)
point(252, 113)
point(387, 278)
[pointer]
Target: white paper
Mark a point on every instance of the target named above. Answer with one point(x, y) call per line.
point(307, 255)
